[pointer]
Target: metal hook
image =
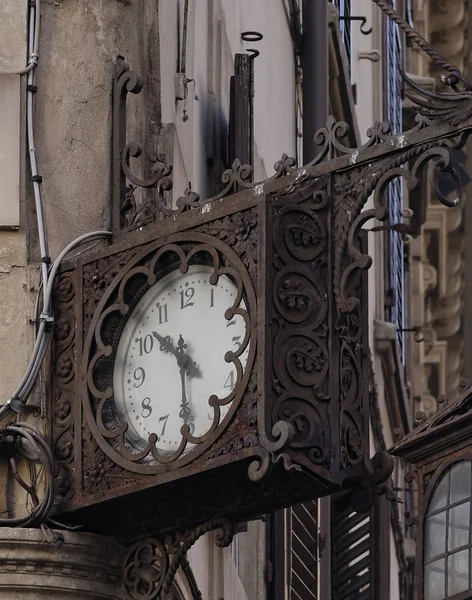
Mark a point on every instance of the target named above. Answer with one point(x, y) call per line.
point(363, 21)
point(252, 36)
point(417, 331)
point(254, 53)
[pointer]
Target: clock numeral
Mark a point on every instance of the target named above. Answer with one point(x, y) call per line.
point(236, 341)
point(162, 313)
point(139, 376)
point(186, 297)
point(147, 408)
point(232, 322)
point(229, 383)
point(164, 418)
point(145, 346)
point(212, 297)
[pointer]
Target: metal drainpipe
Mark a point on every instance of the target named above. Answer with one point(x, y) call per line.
point(314, 62)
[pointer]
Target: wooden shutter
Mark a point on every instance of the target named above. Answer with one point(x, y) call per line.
point(360, 552)
point(293, 543)
point(351, 558)
point(303, 574)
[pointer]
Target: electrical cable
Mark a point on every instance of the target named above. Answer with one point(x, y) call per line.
point(24, 439)
point(30, 444)
point(18, 399)
point(36, 178)
point(33, 57)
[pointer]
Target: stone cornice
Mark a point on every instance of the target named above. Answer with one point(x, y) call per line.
point(85, 565)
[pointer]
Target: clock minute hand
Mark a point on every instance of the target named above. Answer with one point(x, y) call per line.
point(185, 363)
point(186, 366)
point(185, 413)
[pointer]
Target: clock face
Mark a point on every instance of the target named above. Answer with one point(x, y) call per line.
point(171, 358)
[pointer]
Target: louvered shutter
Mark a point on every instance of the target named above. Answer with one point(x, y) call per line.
point(303, 575)
point(360, 552)
point(293, 544)
point(352, 560)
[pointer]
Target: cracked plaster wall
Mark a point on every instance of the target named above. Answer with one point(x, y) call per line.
point(78, 47)
point(16, 276)
point(79, 44)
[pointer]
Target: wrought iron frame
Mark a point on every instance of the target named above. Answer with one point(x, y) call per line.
point(151, 565)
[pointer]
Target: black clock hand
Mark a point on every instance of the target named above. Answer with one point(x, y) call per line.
point(187, 367)
point(183, 359)
point(183, 362)
point(185, 413)
point(166, 344)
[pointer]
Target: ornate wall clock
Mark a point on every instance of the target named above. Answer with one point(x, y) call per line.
point(199, 372)
point(169, 352)
point(212, 362)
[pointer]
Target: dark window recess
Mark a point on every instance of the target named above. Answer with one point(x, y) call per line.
point(395, 272)
point(293, 549)
point(241, 117)
point(344, 9)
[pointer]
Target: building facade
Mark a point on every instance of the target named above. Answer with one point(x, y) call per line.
point(204, 105)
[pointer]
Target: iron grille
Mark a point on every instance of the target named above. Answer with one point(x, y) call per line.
point(395, 270)
point(344, 9)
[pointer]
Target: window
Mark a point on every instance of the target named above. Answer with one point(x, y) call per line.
point(447, 535)
point(344, 9)
point(396, 302)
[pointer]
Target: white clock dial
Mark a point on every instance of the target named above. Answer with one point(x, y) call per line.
point(171, 357)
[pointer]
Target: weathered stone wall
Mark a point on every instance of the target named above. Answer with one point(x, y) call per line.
point(85, 566)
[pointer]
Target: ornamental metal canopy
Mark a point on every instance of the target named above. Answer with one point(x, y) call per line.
point(289, 420)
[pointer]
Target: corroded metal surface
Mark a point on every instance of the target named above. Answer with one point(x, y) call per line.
point(151, 565)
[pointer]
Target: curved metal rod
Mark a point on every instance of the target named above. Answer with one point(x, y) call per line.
point(253, 53)
point(363, 21)
point(455, 73)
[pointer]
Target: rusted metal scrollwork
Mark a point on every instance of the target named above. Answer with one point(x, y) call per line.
point(128, 212)
point(151, 565)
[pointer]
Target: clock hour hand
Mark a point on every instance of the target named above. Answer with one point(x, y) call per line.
point(183, 359)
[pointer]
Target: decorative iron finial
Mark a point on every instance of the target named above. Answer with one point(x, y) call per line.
point(455, 73)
